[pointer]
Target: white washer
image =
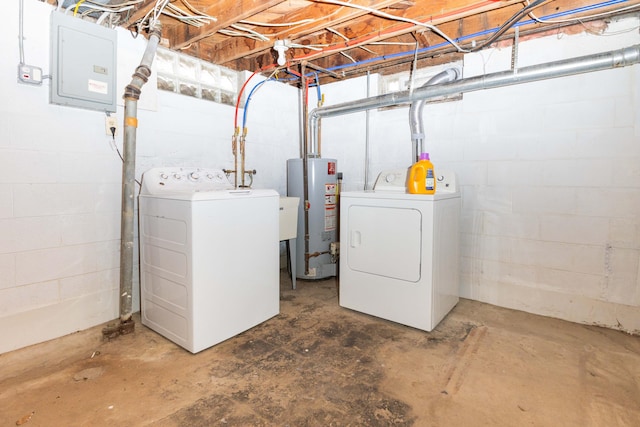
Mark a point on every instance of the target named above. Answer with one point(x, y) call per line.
point(209, 256)
point(399, 252)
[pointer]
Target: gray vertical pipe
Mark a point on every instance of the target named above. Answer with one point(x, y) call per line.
point(131, 96)
point(367, 139)
point(305, 165)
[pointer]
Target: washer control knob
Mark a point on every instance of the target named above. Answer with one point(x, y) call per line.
point(194, 176)
point(177, 176)
point(390, 178)
point(164, 176)
point(209, 176)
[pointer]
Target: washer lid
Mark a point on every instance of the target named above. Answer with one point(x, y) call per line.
point(195, 196)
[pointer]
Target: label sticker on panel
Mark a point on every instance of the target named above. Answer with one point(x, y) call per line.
point(330, 217)
point(98, 87)
point(331, 168)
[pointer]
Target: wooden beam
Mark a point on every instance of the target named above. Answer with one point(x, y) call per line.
point(469, 25)
point(369, 29)
point(321, 15)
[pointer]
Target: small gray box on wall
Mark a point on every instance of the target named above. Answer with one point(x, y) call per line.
point(83, 63)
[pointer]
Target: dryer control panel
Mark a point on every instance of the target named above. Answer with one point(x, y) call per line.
point(184, 180)
point(396, 180)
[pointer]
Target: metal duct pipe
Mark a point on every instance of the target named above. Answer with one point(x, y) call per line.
point(567, 67)
point(131, 96)
point(415, 112)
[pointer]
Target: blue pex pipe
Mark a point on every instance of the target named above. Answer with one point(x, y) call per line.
point(481, 33)
point(246, 105)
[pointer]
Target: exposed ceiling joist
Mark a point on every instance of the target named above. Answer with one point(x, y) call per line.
point(350, 34)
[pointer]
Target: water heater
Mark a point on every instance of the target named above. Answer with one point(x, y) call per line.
point(322, 215)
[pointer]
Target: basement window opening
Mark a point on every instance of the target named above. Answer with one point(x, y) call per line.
point(183, 74)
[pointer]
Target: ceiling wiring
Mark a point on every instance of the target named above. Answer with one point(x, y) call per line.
point(349, 57)
point(75, 9)
point(339, 34)
point(186, 16)
point(396, 18)
point(235, 33)
point(115, 5)
point(471, 36)
point(315, 47)
point(508, 24)
point(196, 11)
point(367, 39)
point(250, 31)
point(581, 18)
point(91, 6)
point(377, 25)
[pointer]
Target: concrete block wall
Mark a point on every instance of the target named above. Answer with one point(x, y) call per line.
point(60, 180)
point(549, 177)
point(548, 172)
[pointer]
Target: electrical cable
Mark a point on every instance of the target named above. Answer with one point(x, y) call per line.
point(21, 32)
point(508, 24)
point(479, 34)
point(439, 45)
point(115, 5)
point(250, 31)
point(414, 68)
point(345, 38)
point(75, 10)
point(363, 40)
point(596, 15)
point(113, 136)
point(396, 18)
point(196, 11)
point(92, 7)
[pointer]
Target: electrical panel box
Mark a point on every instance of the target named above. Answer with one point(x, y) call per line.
point(83, 63)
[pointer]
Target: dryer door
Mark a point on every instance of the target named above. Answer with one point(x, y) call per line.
point(385, 241)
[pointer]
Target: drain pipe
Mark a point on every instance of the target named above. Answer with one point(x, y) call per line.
point(131, 96)
point(596, 62)
point(415, 111)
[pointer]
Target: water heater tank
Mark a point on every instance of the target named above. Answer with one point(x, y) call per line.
point(322, 213)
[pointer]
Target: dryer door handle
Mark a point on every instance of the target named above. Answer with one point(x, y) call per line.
point(356, 239)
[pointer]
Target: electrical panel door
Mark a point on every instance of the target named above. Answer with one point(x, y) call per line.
point(83, 64)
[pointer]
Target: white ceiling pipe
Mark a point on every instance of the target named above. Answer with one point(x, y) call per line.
point(567, 67)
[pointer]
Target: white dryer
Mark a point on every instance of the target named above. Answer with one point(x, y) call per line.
point(209, 256)
point(399, 257)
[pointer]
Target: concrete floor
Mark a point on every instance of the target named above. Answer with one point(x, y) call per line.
point(317, 364)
